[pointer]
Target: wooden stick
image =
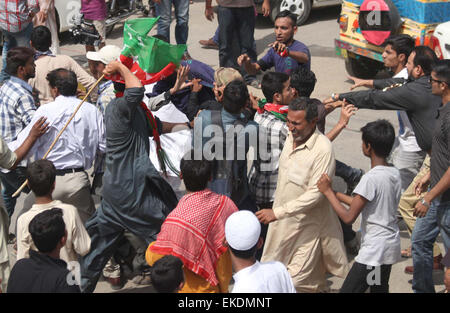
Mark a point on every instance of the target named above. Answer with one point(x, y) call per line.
point(60, 132)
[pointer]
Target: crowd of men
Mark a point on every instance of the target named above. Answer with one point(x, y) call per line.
point(258, 206)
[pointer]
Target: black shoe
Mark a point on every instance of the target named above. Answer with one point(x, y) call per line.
point(187, 56)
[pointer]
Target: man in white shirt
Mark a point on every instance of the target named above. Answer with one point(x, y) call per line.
point(242, 233)
point(41, 180)
point(75, 150)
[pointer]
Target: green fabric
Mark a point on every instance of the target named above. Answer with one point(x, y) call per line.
point(152, 54)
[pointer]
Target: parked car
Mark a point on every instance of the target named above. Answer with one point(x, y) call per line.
point(361, 36)
point(302, 8)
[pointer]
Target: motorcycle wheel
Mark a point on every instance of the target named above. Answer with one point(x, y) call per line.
point(109, 29)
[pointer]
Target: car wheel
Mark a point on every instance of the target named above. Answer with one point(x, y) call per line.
point(362, 67)
point(302, 8)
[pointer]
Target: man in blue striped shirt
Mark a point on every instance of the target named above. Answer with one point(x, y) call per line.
point(16, 110)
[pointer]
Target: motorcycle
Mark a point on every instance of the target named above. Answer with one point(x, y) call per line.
point(118, 11)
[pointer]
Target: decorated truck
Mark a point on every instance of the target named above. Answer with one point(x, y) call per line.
point(366, 24)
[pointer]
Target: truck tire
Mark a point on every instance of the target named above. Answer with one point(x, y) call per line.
point(362, 67)
point(302, 8)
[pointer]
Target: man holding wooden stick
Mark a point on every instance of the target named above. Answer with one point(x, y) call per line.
point(74, 152)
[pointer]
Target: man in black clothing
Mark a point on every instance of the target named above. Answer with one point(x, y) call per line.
point(44, 271)
point(414, 96)
point(433, 210)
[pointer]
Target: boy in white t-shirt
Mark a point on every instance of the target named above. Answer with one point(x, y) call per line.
point(376, 197)
point(242, 234)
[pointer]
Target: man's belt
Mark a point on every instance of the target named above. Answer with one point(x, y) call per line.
point(68, 170)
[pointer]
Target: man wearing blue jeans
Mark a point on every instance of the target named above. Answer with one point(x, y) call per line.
point(16, 26)
point(164, 11)
point(433, 210)
point(236, 21)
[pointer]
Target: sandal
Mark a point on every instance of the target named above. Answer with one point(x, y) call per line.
point(406, 253)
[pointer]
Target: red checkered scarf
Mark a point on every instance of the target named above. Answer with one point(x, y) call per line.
point(194, 232)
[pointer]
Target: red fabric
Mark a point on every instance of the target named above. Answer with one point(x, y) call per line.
point(144, 77)
point(271, 107)
point(195, 230)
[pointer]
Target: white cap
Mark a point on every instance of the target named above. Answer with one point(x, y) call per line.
point(242, 230)
point(105, 55)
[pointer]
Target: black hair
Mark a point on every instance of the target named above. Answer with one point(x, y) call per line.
point(442, 70)
point(64, 80)
point(41, 38)
point(272, 83)
point(303, 80)
point(41, 177)
point(288, 14)
point(18, 56)
point(47, 229)
point(119, 87)
point(305, 104)
point(425, 57)
point(235, 96)
point(196, 173)
point(380, 135)
point(167, 274)
point(401, 44)
point(247, 254)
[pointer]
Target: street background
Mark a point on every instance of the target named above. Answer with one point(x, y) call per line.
point(318, 33)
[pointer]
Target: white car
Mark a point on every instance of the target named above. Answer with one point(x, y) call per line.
point(65, 12)
point(440, 41)
point(302, 8)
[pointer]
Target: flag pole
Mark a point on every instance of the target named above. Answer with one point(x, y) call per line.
point(61, 131)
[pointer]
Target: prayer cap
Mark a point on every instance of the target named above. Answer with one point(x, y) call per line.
point(242, 230)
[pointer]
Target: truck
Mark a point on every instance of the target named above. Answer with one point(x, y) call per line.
point(365, 24)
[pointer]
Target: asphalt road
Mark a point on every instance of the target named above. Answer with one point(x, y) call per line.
point(318, 34)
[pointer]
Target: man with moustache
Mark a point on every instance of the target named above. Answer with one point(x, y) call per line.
point(414, 97)
point(17, 108)
point(286, 53)
point(304, 233)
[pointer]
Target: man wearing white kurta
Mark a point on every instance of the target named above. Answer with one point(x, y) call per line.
point(304, 232)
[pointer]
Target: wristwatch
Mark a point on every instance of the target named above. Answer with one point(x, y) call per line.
point(427, 204)
point(333, 96)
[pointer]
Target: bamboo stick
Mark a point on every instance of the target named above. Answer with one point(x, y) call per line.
point(61, 131)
